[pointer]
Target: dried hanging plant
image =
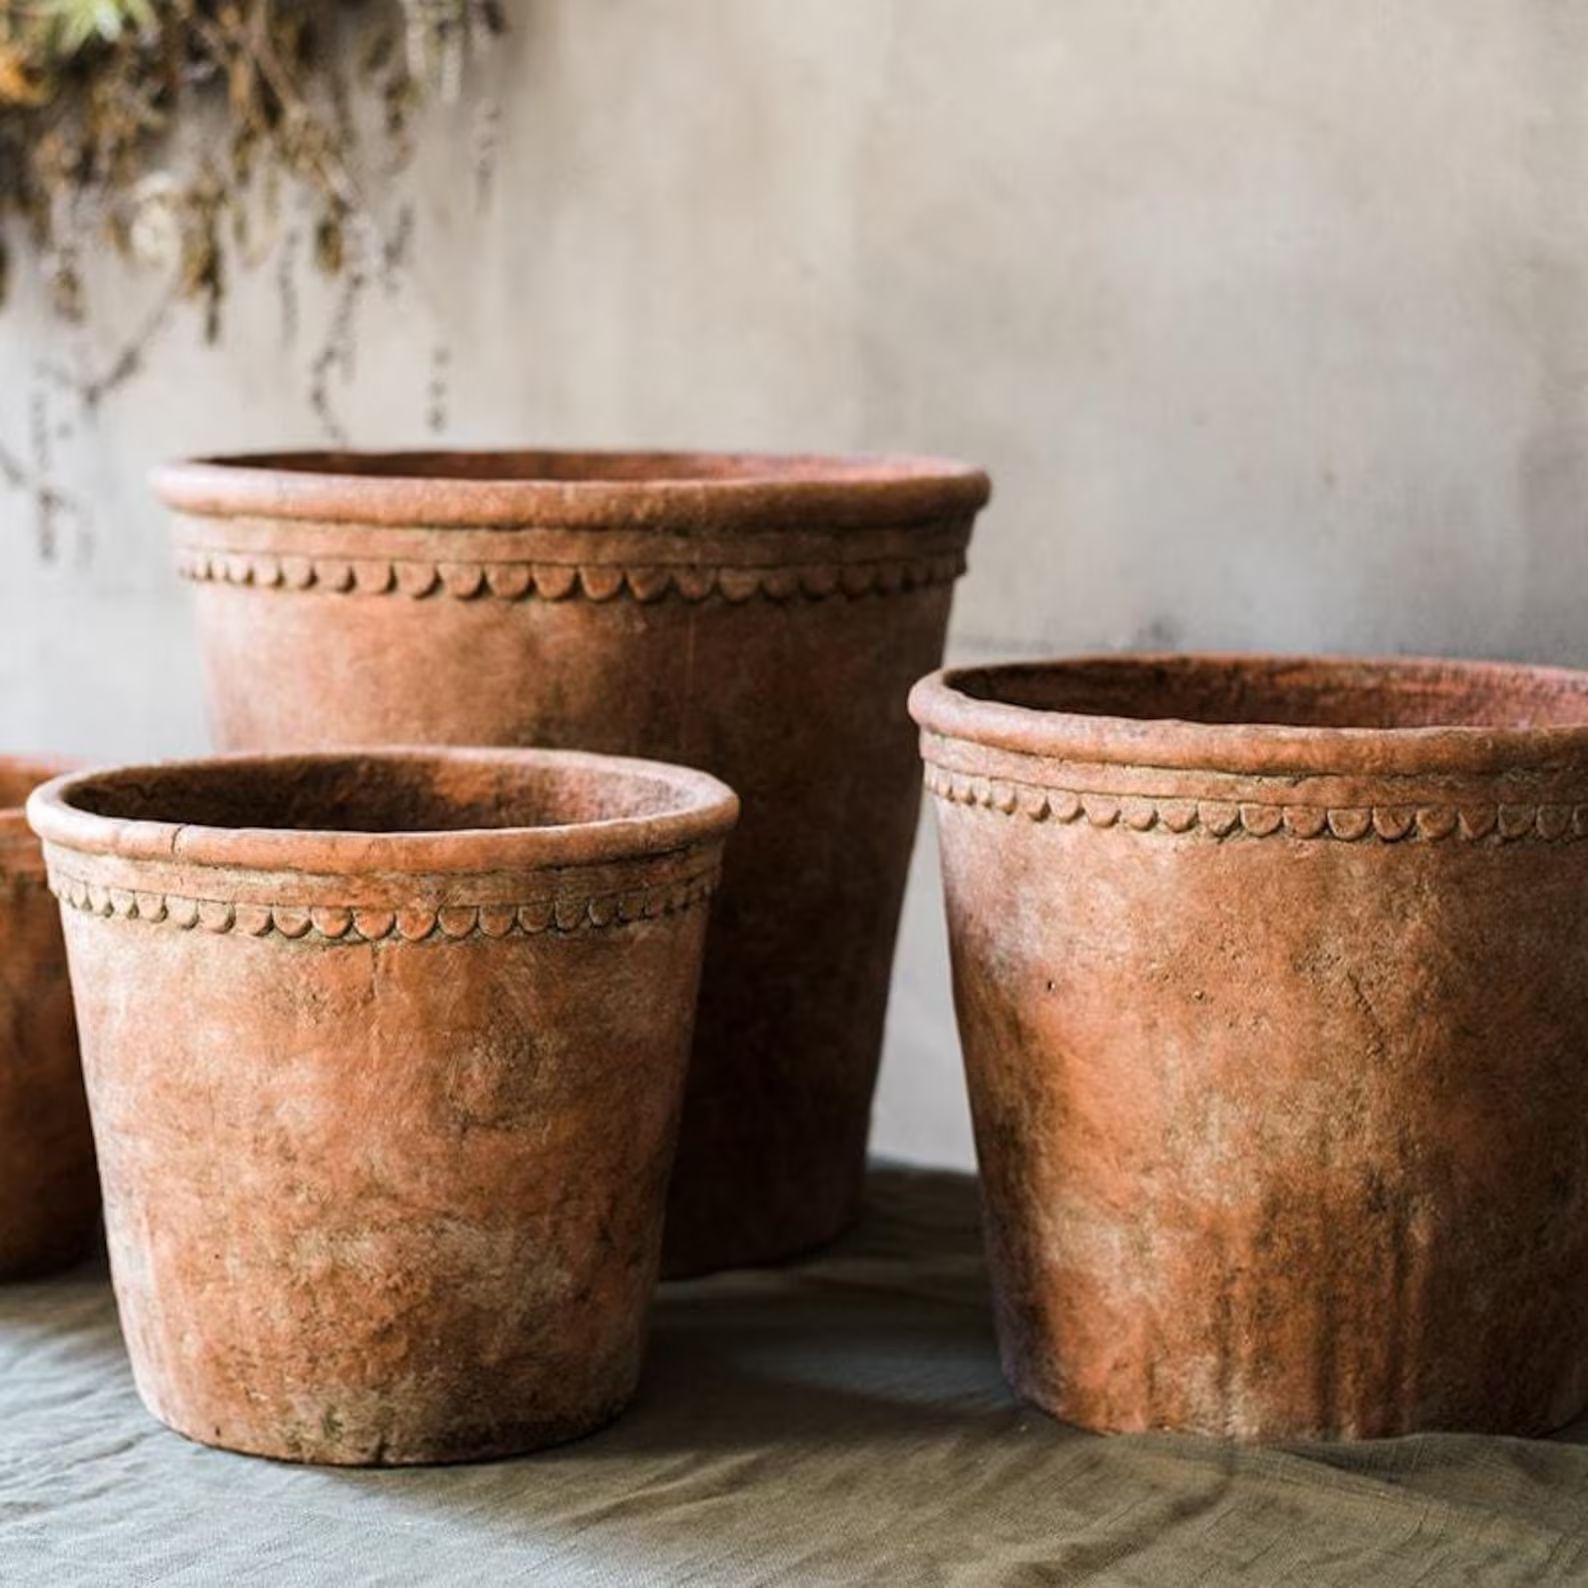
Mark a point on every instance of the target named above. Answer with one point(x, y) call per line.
point(91, 90)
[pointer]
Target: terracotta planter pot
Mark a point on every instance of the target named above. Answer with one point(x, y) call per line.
point(1272, 978)
point(761, 618)
point(49, 1192)
point(385, 1055)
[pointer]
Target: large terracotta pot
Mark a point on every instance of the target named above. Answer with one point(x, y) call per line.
point(49, 1192)
point(762, 618)
point(1272, 978)
point(385, 1055)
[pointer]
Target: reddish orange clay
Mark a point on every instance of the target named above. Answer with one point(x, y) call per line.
point(759, 617)
point(385, 1055)
point(49, 1192)
point(1272, 978)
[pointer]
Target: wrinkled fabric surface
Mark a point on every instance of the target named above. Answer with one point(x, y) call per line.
point(840, 1421)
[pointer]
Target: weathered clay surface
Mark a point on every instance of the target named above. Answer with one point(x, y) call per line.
point(385, 1056)
point(762, 618)
point(49, 1193)
point(1272, 978)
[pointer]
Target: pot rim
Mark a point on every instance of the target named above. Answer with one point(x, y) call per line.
point(706, 810)
point(684, 491)
point(942, 705)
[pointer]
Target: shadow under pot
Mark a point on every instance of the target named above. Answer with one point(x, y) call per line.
point(1272, 981)
point(384, 1055)
point(49, 1191)
point(762, 618)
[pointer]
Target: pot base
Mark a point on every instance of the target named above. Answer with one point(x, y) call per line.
point(796, 1205)
point(448, 1447)
point(1039, 1394)
point(41, 1259)
point(696, 1259)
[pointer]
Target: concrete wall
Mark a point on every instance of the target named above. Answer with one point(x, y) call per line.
point(1269, 317)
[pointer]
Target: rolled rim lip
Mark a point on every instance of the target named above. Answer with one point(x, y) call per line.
point(808, 490)
point(941, 707)
point(707, 810)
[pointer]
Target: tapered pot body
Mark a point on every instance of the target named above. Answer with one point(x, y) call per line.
point(384, 1056)
point(1272, 981)
point(49, 1192)
point(761, 618)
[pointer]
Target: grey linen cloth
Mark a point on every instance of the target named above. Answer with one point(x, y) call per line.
point(838, 1421)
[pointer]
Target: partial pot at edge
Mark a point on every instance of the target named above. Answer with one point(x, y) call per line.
point(49, 1192)
point(1272, 978)
point(384, 1055)
point(760, 617)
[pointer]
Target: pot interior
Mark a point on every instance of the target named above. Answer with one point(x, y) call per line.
point(1290, 692)
point(381, 794)
point(568, 467)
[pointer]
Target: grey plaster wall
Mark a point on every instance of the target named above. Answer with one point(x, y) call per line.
point(1269, 317)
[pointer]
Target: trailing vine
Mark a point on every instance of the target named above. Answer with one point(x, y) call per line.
point(93, 91)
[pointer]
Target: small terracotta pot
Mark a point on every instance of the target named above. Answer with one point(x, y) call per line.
point(49, 1192)
point(760, 617)
point(385, 1054)
point(1272, 978)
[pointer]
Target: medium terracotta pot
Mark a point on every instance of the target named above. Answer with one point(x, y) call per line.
point(49, 1192)
point(1272, 978)
point(759, 617)
point(384, 1055)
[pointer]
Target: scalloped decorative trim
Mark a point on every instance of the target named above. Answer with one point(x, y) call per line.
point(1227, 818)
point(341, 923)
point(547, 581)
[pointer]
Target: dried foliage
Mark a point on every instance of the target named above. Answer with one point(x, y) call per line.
point(92, 90)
